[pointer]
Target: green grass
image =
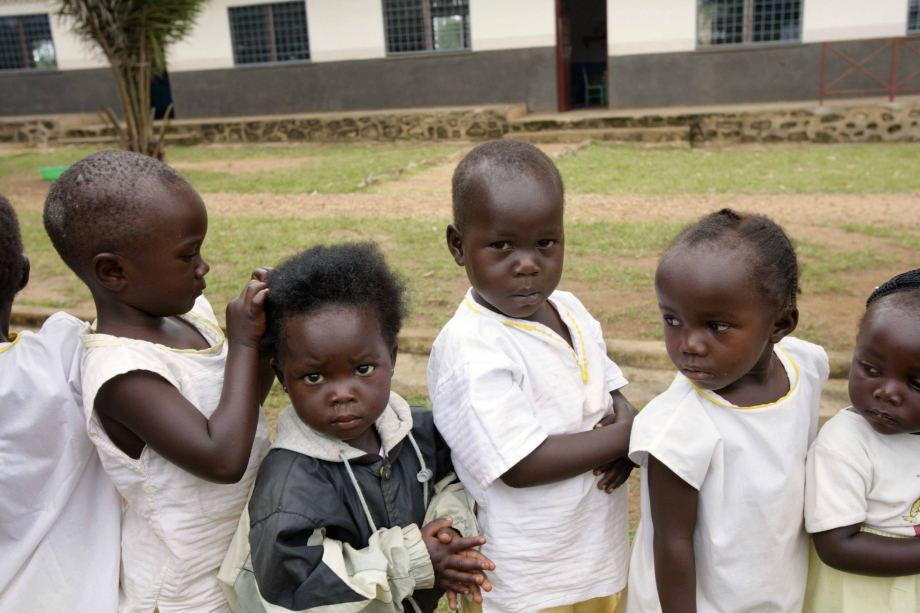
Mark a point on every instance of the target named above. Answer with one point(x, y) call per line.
point(324, 169)
point(865, 168)
point(235, 245)
point(906, 239)
point(823, 270)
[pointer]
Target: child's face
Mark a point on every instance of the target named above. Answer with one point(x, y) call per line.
point(717, 324)
point(513, 245)
point(166, 274)
point(885, 374)
point(337, 369)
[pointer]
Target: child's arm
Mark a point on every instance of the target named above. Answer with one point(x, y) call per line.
point(863, 553)
point(617, 472)
point(150, 408)
point(674, 506)
point(563, 456)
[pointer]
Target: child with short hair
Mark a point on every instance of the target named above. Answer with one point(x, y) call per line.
point(862, 491)
point(171, 403)
point(519, 379)
point(722, 451)
point(61, 515)
point(355, 507)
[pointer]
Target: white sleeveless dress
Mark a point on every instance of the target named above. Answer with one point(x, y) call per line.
point(176, 527)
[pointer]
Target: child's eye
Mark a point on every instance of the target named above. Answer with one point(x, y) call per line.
point(189, 257)
point(915, 384)
point(547, 243)
point(314, 379)
point(364, 370)
point(717, 327)
point(670, 321)
point(501, 245)
point(869, 368)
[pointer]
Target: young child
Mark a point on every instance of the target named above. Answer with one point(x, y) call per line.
point(519, 378)
point(180, 440)
point(60, 515)
point(862, 488)
point(722, 451)
point(333, 521)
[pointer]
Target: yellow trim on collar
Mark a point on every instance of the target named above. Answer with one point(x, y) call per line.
point(215, 348)
point(583, 367)
point(759, 406)
point(13, 338)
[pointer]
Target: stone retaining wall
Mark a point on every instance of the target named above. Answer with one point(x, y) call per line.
point(889, 122)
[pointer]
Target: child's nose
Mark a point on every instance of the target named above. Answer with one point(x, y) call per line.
point(526, 264)
point(692, 343)
point(887, 391)
point(341, 393)
point(203, 268)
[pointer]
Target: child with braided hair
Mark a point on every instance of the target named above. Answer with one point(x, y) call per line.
point(722, 451)
point(862, 493)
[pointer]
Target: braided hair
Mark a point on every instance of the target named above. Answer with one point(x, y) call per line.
point(777, 267)
point(901, 292)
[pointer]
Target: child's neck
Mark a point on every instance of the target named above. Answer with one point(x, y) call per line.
point(117, 318)
point(6, 311)
point(766, 383)
point(368, 441)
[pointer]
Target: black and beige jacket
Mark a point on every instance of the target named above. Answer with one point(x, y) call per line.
point(331, 529)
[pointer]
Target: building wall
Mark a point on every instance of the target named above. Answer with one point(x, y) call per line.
point(654, 61)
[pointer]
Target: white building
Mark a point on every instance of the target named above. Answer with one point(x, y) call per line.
point(250, 58)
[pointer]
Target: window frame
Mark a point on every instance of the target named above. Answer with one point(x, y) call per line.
point(19, 17)
point(270, 30)
point(913, 7)
point(749, 4)
point(467, 32)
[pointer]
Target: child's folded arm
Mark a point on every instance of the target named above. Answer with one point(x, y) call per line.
point(863, 553)
point(451, 499)
point(299, 572)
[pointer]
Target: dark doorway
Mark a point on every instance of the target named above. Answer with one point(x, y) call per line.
point(581, 38)
point(161, 96)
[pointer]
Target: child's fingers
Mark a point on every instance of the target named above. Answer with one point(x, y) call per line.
point(476, 555)
point(467, 579)
point(452, 600)
point(485, 585)
point(258, 300)
point(262, 273)
point(432, 528)
point(455, 587)
point(459, 544)
point(466, 564)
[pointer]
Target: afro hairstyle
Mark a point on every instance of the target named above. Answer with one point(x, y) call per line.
point(11, 262)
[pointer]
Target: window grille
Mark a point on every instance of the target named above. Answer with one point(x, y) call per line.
point(266, 33)
point(744, 22)
point(26, 43)
point(419, 26)
point(913, 17)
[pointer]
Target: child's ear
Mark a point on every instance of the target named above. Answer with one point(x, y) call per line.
point(26, 270)
point(785, 324)
point(393, 353)
point(455, 244)
point(107, 270)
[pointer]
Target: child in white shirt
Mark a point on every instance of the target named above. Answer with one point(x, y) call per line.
point(171, 402)
point(722, 451)
point(519, 378)
point(862, 488)
point(60, 515)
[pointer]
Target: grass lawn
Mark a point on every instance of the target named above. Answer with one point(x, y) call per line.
point(302, 169)
point(607, 169)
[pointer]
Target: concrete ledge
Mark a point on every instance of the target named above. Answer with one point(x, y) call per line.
point(649, 355)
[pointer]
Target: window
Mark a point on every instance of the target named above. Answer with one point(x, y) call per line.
point(25, 43)
point(265, 33)
point(913, 17)
point(419, 26)
point(743, 22)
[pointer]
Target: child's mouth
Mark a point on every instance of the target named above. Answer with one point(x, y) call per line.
point(696, 375)
point(346, 422)
point(527, 298)
point(882, 418)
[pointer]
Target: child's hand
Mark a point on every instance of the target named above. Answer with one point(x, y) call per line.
point(246, 315)
point(457, 567)
point(617, 472)
point(262, 273)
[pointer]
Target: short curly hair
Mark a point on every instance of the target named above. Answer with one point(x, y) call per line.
point(96, 205)
point(777, 266)
point(350, 274)
point(901, 292)
point(11, 262)
point(499, 160)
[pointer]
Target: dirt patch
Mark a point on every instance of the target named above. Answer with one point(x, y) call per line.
point(245, 166)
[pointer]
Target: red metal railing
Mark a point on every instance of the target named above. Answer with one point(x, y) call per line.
point(889, 84)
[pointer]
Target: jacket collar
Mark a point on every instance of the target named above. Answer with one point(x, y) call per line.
point(294, 435)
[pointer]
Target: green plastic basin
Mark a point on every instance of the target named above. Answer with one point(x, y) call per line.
point(51, 173)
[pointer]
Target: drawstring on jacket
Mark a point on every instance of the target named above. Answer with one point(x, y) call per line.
point(424, 476)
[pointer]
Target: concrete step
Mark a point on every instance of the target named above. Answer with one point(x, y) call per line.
point(672, 135)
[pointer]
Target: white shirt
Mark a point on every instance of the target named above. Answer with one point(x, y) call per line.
point(748, 464)
point(177, 527)
point(855, 475)
point(60, 515)
point(499, 387)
